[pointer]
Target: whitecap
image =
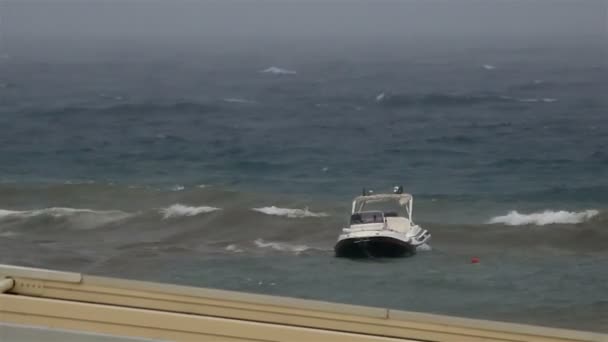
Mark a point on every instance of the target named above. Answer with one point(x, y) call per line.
point(237, 100)
point(424, 248)
point(177, 188)
point(180, 210)
point(8, 234)
point(8, 213)
point(546, 217)
point(281, 246)
point(380, 97)
point(278, 71)
point(530, 100)
point(287, 212)
point(80, 218)
point(58, 212)
point(78, 182)
point(489, 67)
point(234, 248)
point(535, 100)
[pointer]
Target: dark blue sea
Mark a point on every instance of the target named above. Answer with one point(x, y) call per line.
point(235, 168)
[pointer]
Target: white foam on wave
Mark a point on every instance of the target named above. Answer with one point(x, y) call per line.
point(180, 210)
point(530, 100)
point(78, 182)
point(8, 213)
point(535, 100)
point(287, 212)
point(546, 217)
point(58, 212)
point(278, 71)
point(380, 97)
point(237, 100)
point(80, 218)
point(234, 248)
point(281, 246)
point(424, 248)
point(489, 67)
point(177, 188)
point(8, 234)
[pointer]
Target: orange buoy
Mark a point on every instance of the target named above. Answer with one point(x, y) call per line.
point(474, 260)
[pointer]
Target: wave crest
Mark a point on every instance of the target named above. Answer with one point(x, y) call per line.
point(237, 100)
point(278, 71)
point(424, 248)
point(133, 109)
point(180, 210)
point(79, 218)
point(453, 99)
point(287, 212)
point(58, 212)
point(281, 246)
point(546, 217)
point(233, 248)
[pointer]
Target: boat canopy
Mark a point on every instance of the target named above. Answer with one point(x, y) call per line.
point(402, 200)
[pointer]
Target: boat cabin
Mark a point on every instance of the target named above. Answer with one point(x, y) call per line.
point(367, 217)
point(389, 205)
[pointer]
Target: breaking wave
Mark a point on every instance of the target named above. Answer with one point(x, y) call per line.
point(546, 217)
point(281, 246)
point(192, 220)
point(452, 99)
point(440, 99)
point(537, 100)
point(60, 212)
point(8, 234)
point(424, 248)
point(233, 248)
point(287, 212)
point(78, 218)
point(278, 71)
point(180, 210)
point(237, 100)
point(135, 109)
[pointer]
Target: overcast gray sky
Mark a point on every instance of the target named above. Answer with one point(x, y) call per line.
point(251, 19)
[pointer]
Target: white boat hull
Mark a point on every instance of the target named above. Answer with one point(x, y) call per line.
point(384, 230)
point(376, 244)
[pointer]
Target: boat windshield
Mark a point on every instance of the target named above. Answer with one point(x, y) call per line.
point(367, 217)
point(389, 208)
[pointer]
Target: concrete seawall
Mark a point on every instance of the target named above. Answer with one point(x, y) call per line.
point(37, 302)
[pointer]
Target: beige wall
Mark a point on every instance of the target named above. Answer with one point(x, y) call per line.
point(166, 312)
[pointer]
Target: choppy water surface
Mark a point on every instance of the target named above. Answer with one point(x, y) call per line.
point(238, 173)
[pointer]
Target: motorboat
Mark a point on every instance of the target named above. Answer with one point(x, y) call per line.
point(381, 225)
